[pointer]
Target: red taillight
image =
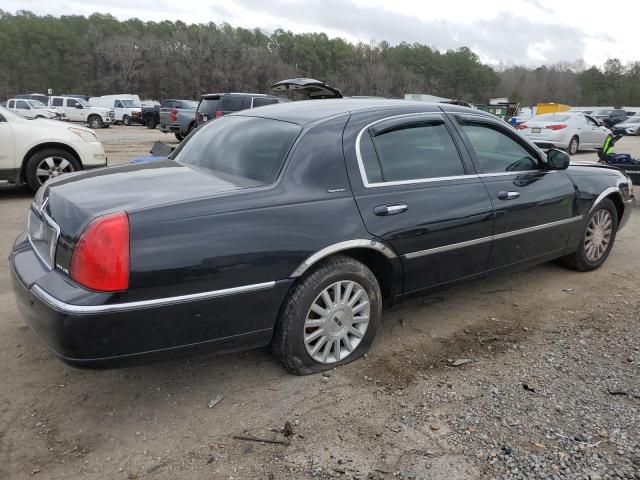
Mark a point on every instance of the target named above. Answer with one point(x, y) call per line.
point(219, 114)
point(522, 126)
point(174, 116)
point(100, 260)
point(559, 126)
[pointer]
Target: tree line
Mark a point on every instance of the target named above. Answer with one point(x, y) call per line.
point(99, 54)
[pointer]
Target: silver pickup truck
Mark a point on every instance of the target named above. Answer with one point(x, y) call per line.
point(178, 117)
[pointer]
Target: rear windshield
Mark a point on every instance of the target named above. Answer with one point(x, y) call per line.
point(189, 104)
point(246, 147)
point(551, 117)
point(209, 106)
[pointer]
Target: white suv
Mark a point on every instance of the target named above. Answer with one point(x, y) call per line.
point(33, 151)
point(33, 109)
point(79, 110)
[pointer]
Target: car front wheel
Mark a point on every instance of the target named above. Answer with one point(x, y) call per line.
point(572, 149)
point(96, 122)
point(126, 120)
point(597, 238)
point(329, 318)
point(47, 164)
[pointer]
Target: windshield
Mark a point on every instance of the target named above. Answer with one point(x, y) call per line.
point(551, 117)
point(36, 104)
point(246, 147)
point(82, 102)
point(602, 112)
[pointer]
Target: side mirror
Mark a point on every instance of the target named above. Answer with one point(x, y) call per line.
point(558, 159)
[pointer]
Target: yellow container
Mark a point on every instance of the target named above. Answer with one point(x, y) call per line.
point(551, 108)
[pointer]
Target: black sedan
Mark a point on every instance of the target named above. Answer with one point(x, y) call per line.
point(293, 224)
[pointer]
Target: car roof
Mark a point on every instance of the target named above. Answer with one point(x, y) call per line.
point(307, 111)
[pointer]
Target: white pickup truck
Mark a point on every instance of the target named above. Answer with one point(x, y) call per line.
point(34, 150)
point(79, 110)
point(33, 109)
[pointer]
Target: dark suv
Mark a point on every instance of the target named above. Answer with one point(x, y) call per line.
point(215, 105)
point(610, 117)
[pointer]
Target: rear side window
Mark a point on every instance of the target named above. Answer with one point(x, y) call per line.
point(57, 102)
point(496, 151)
point(412, 151)
point(246, 147)
point(234, 103)
point(261, 101)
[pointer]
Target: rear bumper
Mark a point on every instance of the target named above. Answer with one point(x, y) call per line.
point(550, 143)
point(84, 330)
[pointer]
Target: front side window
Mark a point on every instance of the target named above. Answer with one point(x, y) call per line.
point(411, 151)
point(246, 147)
point(11, 104)
point(72, 102)
point(21, 104)
point(496, 151)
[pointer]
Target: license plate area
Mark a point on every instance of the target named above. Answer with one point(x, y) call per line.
point(536, 130)
point(43, 236)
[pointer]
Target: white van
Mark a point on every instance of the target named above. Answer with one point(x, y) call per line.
point(78, 110)
point(125, 109)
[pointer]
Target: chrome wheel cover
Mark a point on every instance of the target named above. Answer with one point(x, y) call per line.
point(52, 167)
point(598, 235)
point(573, 146)
point(336, 322)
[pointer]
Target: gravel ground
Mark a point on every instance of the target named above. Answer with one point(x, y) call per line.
point(523, 376)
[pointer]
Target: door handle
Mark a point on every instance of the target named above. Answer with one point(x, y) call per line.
point(508, 195)
point(385, 210)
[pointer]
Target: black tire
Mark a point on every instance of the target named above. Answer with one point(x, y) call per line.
point(95, 122)
point(288, 341)
point(192, 125)
point(179, 136)
point(151, 124)
point(573, 146)
point(126, 120)
point(31, 166)
point(578, 260)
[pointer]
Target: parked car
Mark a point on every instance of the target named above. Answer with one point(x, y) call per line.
point(214, 105)
point(79, 110)
point(34, 109)
point(32, 151)
point(610, 117)
point(33, 96)
point(125, 109)
point(631, 126)
point(177, 117)
point(566, 130)
point(293, 225)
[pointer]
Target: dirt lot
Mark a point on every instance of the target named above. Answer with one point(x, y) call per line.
point(551, 389)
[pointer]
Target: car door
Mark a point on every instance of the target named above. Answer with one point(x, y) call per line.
point(74, 110)
point(119, 109)
point(598, 132)
point(7, 145)
point(535, 207)
point(23, 108)
point(415, 191)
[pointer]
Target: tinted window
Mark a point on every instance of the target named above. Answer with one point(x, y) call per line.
point(118, 104)
point(11, 103)
point(71, 102)
point(234, 103)
point(496, 151)
point(209, 106)
point(410, 152)
point(591, 121)
point(261, 101)
point(57, 102)
point(22, 104)
point(246, 147)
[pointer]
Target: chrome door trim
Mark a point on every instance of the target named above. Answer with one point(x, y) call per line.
point(499, 236)
point(69, 308)
point(337, 247)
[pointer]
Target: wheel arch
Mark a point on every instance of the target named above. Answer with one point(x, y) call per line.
point(378, 257)
point(44, 146)
point(613, 194)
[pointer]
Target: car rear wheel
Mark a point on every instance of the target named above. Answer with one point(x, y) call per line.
point(126, 120)
point(47, 164)
point(95, 122)
point(574, 143)
point(329, 318)
point(597, 238)
point(151, 124)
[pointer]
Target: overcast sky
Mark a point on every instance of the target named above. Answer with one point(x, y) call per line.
point(530, 32)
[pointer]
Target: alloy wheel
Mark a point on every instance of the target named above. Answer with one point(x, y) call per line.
point(337, 321)
point(573, 146)
point(52, 167)
point(598, 235)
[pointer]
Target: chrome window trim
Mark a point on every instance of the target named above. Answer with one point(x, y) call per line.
point(363, 173)
point(337, 247)
point(499, 236)
point(156, 302)
point(522, 172)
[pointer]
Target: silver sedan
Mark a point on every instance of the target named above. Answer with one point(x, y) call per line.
point(567, 130)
